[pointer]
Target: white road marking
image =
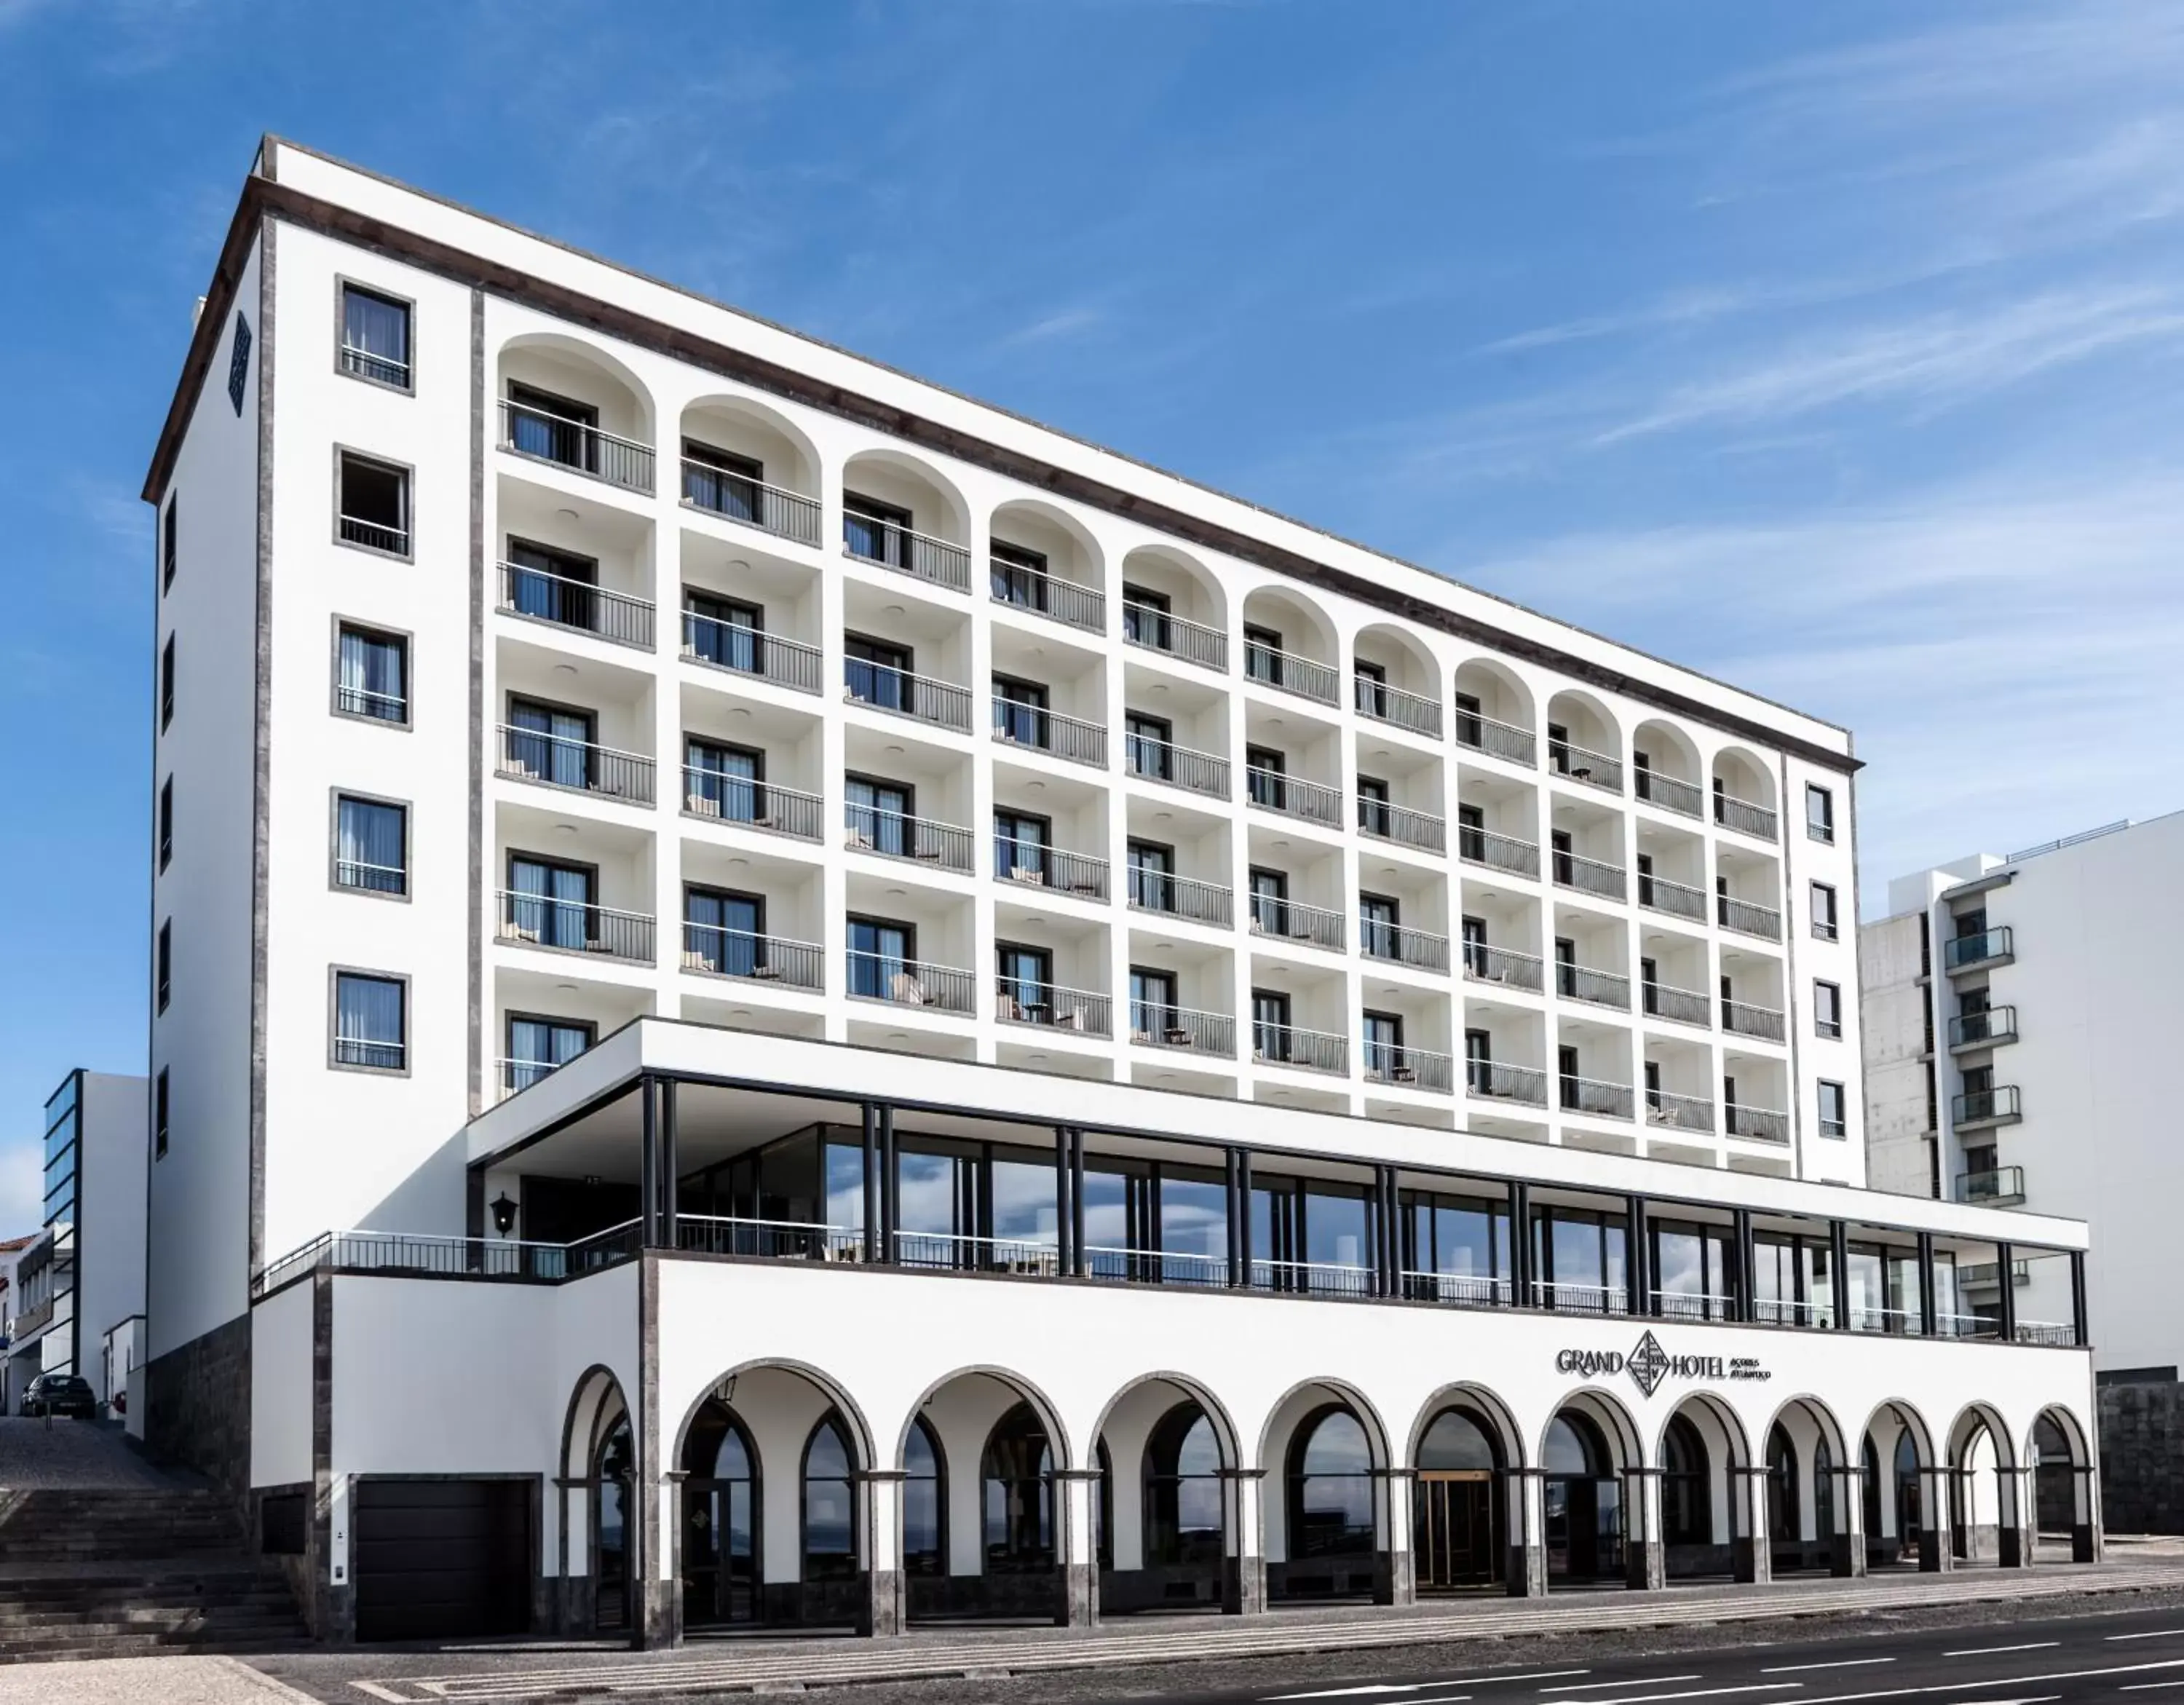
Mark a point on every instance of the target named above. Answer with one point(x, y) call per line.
point(1839, 1663)
point(2148, 1686)
point(2152, 1634)
point(1698, 1693)
point(1990, 1651)
point(1421, 1686)
point(1355, 1692)
point(379, 1693)
point(1998, 1681)
point(1639, 1681)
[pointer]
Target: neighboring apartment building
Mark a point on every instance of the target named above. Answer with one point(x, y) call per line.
point(783, 997)
point(82, 1277)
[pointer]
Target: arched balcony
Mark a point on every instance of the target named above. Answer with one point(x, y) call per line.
point(1665, 770)
point(566, 403)
point(1289, 646)
point(1045, 564)
point(1397, 681)
point(743, 463)
point(1583, 742)
point(898, 514)
point(1172, 605)
point(1744, 794)
point(1494, 713)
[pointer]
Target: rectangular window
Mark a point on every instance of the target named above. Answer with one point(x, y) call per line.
point(1373, 816)
point(371, 674)
point(880, 815)
point(550, 745)
point(1824, 910)
point(537, 1045)
point(1019, 576)
point(554, 428)
point(1149, 743)
point(1023, 983)
point(167, 542)
point(372, 505)
point(884, 960)
point(553, 905)
point(1819, 813)
point(1153, 1012)
point(1270, 1024)
point(877, 532)
point(878, 673)
point(724, 933)
point(167, 684)
point(726, 781)
point(374, 337)
point(164, 968)
point(1827, 1010)
point(372, 845)
point(1384, 1049)
point(160, 1114)
point(1265, 771)
point(371, 1022)
point(1021, 842)
point(1835, 1119)
point(1145, 617)
point(166, 821)
point(724, 632)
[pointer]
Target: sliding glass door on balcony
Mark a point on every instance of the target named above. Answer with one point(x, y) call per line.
point(729, 635)
point(537, 1045)
point(548, 744)
point(882, 957)
point(879, 816)
point(724, 781)
point(723, 931)
point(552, 905)
point(552, 586)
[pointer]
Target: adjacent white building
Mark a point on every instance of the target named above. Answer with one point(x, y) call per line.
point(2013, 1008)
point(781, 996)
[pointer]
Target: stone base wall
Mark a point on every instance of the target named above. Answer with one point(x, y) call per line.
point(2142, 1458)
point(197, 1408)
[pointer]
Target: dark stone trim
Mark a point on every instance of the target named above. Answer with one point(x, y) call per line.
point(197, 1408)
point(609, 320)
point(476, 947)
point(659, 1620)
point(333, 1612)
point(261, 804)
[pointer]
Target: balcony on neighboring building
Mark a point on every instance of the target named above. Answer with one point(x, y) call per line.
point(1679, 1005)
point(1757, 1124)
point(1381, 821)
point(1743, 1018)
point(1672, 898)
point(1744, 817)
point(1499, 965)
point(1989, 1027)
point(1593, 1096)
point(1291, 920)
point(1748, 918)
point(1181, 897)
point(742, 801)
point(1305, 1050)
point(1022, 582)
point(1269, 789)
point(1493, 852)
point(1402, 1067)
point(1673, 1112)
point(1992, 1187)
point(1397, 945)
point(1669, 793)
point(1979, 949)
point(1154, 760)
point(1985, 1109)
point(1286, 672)
point(1595, 769)
point(1576, 981)
point(1585, 875)
point(1496, 1080)
point(1183, 1029)
point(883, 539)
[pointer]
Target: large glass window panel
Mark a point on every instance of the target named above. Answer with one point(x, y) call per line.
point(1194, 1217)
point(879, 953)
point(550, 745)
point(371, 851)
point(724, 632)
point(878, 815)
point(550, 904)
point(1337, 1230)
point(537, 1045)
point(723, 781)
point(1023, 1201)
point(724, 933)
point(372, 675)
point(368, 1022)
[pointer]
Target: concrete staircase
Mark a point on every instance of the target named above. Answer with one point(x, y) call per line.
point(126, 1572)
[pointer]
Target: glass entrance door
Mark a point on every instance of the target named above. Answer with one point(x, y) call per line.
point(1455, 1539)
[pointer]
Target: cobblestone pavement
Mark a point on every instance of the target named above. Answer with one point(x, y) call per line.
point(176, 1681)
point(73, 1456)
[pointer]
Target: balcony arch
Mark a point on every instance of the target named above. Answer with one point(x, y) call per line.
point(2061, 1459)
point(1044, 560)
point(1325, 1450)
point(1744, 792)
point(1493, 712)
point(1462, 1447)
point(1666, 769)
point(1805, 1451)
point(1583, 741)
point(1169, 1451)
point(1290, 645)
point(747, 462)
point(1895, 1454)
point(1174, 605)
point(565, 401)
point(1397, 680)
point(1702, 1452)
point(1585, 1449)
point(900, 513)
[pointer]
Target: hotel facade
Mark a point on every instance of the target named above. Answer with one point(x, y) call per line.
point(783, 998)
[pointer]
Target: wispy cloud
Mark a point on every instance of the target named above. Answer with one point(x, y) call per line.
point(1062, 322)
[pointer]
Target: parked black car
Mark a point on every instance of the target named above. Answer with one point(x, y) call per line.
point(61, 1394)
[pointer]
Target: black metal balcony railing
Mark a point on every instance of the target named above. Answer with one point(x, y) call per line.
point(1743, 1018)
point(1049, 731)
point(372, 878)
point(554, 761)
point(1494, 1081)
point(542, 595)
point(1033, 589)
point(577, 445)
point(1181, 896)
point(1179, 1027)
point(1566, 1297)
point(1286, 672)
point(386, 370)
point(1497, 851)
point(1757, 1124)
point(1162, 760)
point(1748, 918)
point(1411, 711)
point(1983, 947)
point(1676, 899)
point(718, 951)
point(752, 805)
point(1397, 944)
point(573, 926)
point(1986, 1107)
point(1291, 796)
point(746, 651)
point(1399, 823)
point(882, 687)
point(1050, 1005)
point(1292, 920)
point(1307, 1050)
point(768, 1239)
point(891, 545)
point(1496, 739)
point(1485, 964)
point(1595, 769)
point(1192, 1267)
point(1679, 1005)
point(374, 534)
point(1409, 1068)
point(1156, 630)
point(1599, 987)
point(1594, 1096)
point(910, 983)
point(1679, 1112)
point(1984, 1028)
point(740, 497)
point(1994, 1185)
point(1669, 793)
point(1312, 1278)
point(895, 834)
point(1588, 875)
point(1744, 817)
point(1035, 863)
point(1457, 1289)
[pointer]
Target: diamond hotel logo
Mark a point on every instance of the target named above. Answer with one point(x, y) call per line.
point(1648, 1364)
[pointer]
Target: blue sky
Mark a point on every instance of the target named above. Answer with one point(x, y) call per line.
point(1834, 350)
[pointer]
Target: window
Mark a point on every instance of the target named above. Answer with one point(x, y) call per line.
point(1270, 1024)
point(1149, 741)
point(1827, 1010)
point(370, 1026)
point(1265, 768)
point(1819, 813)
point(1384, 1049)
point(723, 632)
point(1183, 1492)
point(554, 586)
point(723, 481)
point(724, 782)
point(555, 429)
point(1020, 709)
point(374, 337)
point(552, 905)
point(1373, 817)
point(164, 972)
point(1379, 931)
point(1152, 876)
point(160, 1114)
point(1262, 655)
point(1269, 891)
point(924, 1502)
point(1835, 1120)
point(880, 816)
point(537, 1045)
point(882, 959)
point(1023, 983)
point(371, 674)
point(875, 531)
point(1329, 1487)
point(1145, 617)
point(1153, 1013)
point(830, 1546)
point(1021, 842)
point(1016, 1470)
point(167, 543)
point(1019, 576)
point(546, 743)
point(724, 933)
point(1824, 910)
point(372, 505)
point(167, 684)
point(1372, 688)
point(166, 821)
point(372, 845)
point(878, 673)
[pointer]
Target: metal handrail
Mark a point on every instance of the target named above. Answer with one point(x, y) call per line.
point(1744, 817)
point(1961, 952)
point(750, 501)
point(1406, 1066)
point(583, 767)
point(1683, 1113)
point(1291, 796)
point(1072, 738)
point(770, 1239)
point(1599, 987)
point(1679, 1005)
point(1600, 770)
point(573, 926)
point(1588, 875)
point(1292, 920)
point(964, 1252)
point(2001, 1102)
point(1486, 964)
point(1163, 761)
point(910, 983)
point(580, 446)
point(716, 950)
point(1037, 865)
point(1595, 1096)
point(1304, 677)
point(539, 594)
point(1565, 1297)
point(1756, 1124)
point(1743, 1018)
point(1052, 1006)
point(1179, 1027)
point(1306, 1051)
point(383, 368)
point(1482, 733)
point(1396, 706)
point(718, 644)
point(361, 701)
point(890, 544)
point(1497, 851)
point(1788, 1310)
point(1323, 1278)
point(415, 1255)
point(1677, 898)
point(1693, 1305)
point(1181, 896)
point(1748, 916)
point(1982, 1028)
point(1155, 1266)
point(372, 878)
point(1400, 944)
point(1156, 630)
point(1392, 822)
point(752, 805)
point(1494, 1081)
point(1896, 1322)
point(1668, 793)
point(1457, 1290)
point(887, 833)
point(515, 1076)
point(2058, 1333)
point(882, 687)
point(374, 535)
point(1021, 587)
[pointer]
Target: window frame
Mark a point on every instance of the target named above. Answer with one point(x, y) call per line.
point(342, 285)
point(163, 966)
point(167, 519)
point(334, 1062)
point(1823, 831)
point(1829, 1029)
point(1841, 1132)
point(335, 795)
point(167, 684)
point(408, 474)
point(373, 630)
point(162, 1111)
point(1831, 928)
point(166, 822)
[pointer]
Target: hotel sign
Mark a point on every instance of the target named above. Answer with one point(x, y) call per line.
point(1648, 1365)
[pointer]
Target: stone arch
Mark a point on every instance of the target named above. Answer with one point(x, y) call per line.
point(1166, 1517)
point(1896, 1452)
point(1024, 1388)
point(1411, 666)
point(2059, 1457)
point(701, 414)
point(1501, 694)
point(1195, 592)
point(1670, 752)
point(1295, 1420)
point(1588, 1444)
point(1465, 1514)
point(1590, 725)
point(937, 505)
point(1306, 629)
point(1805, 1509)
point(1984, 1484)
point(1224, 1427)
point(1466, 1394)
point(1702, 1519)
point(1743, 775)
point(541, 354)
point(593, 1401)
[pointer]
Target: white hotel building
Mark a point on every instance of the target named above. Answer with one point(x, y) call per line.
point(783, 997)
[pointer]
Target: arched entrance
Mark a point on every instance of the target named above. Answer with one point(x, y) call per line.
point(1814, 1518)
point(721, 1511)
point(1459, 1522)
point(1582, 1458)
point(614, 1477)
point(599, 1478)
point(1897, 1485)
point(2063, 1489)
point(1166, 1452)
point(1984, 1522)
point(1330, 1529)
